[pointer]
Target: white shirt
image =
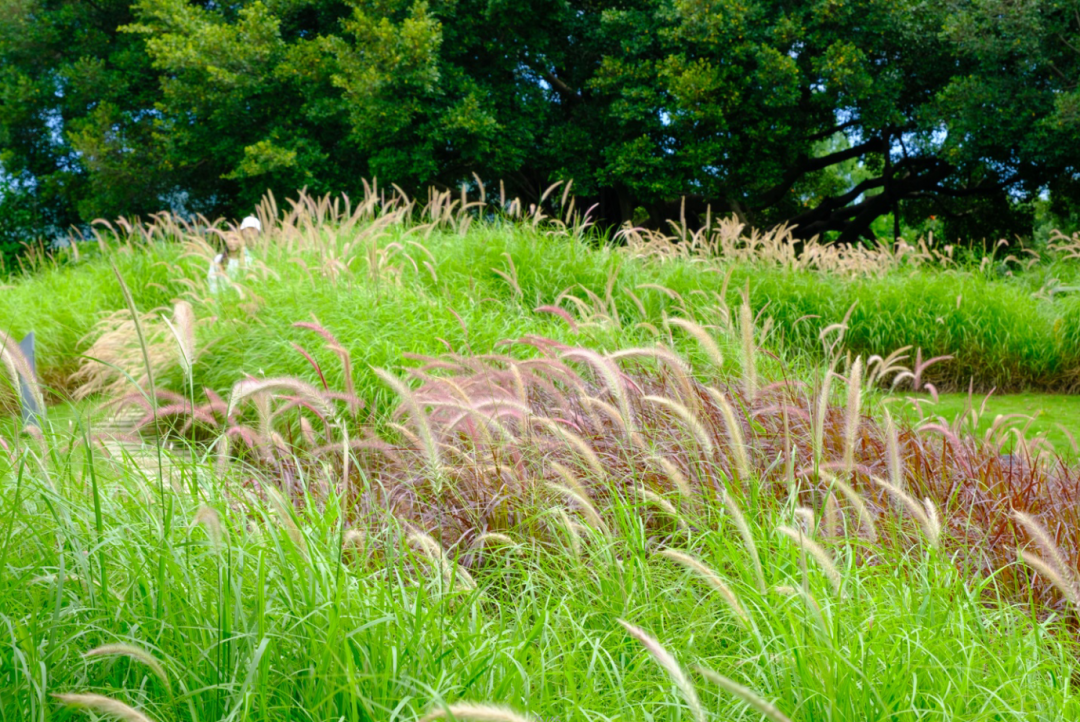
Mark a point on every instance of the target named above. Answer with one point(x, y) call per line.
point(216, 280)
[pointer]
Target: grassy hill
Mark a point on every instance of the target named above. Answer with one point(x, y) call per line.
point(422, 458)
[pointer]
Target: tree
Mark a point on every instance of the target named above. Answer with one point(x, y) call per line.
point(829, 114)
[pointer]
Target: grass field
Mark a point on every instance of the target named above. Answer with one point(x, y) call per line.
point(1057, 416)
point(434, 466)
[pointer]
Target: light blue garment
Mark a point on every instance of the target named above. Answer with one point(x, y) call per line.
point(217, 280)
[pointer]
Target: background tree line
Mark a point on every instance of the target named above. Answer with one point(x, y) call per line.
point(846, 117)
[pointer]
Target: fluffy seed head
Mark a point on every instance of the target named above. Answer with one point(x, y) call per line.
point(738, 447)
point(931, 526)
point(712, 579)
point(747, 538)
point(209, 519)
point(132, 652)
point(665, 660)
point(851, 420)
point(746, 694)
point(476, 713)
point(746, 327)
point(104, 705)
point(820, 555)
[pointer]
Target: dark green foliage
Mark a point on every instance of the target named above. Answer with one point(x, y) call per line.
point(827, 114)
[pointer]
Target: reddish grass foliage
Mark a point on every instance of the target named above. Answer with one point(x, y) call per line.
point(485, 444)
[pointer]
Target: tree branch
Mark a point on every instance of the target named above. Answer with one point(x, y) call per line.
point(822, 135)
point(809, 165)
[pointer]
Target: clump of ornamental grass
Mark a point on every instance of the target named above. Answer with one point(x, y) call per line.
point(508, 423)
point(114, 363)
point(17, 373)
point(487, 443)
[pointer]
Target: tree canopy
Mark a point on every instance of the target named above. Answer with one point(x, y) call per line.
point(756, 107)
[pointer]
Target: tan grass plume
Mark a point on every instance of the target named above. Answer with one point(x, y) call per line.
point(712, 579)
point(747, 695)
point(104, 705)
point(665, 660)
point(814, 549)
point(132, 652)
point(476, 713)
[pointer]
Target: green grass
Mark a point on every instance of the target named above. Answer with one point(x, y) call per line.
point(276, 624)
point(279, 622)
point(999, 331)
point(1055, 416)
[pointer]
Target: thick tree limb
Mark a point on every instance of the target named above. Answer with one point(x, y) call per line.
point(809, 165)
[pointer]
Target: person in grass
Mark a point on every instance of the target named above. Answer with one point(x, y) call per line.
point(226, 265)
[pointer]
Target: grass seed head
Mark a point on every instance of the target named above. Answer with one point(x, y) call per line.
point(738, 446)
point(747, 695)
point(851, 418)
point(929, 522)
point(820, 555)
point(747, 538)
point(132, 652)
point(1064, 576)
point(712, 579)
point(211, 521)
point(475, 713)
point(665, 660)
point(104, 705)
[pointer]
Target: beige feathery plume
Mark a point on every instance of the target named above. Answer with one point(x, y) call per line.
point(423, 427)
point(211, 521)
point(664, 658)
point(104, 705)
point(132, 652)
point(586, 506)
point(746, 327)
point(892, 452)
point(669, 508)
point(437, 556)
point(674, 475)
point(851, 419)
point(18, 368)
point(707, 342)
point(820, 555)
point(688, 418)
point(819, 421)
point(1054, 567)
point(475, 713)
point(747, 538)
point(738, 447)
point(746, 694)
point(712, 579)
point(925, 513)
point(855, 499)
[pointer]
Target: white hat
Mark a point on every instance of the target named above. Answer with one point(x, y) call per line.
point(251, 222)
